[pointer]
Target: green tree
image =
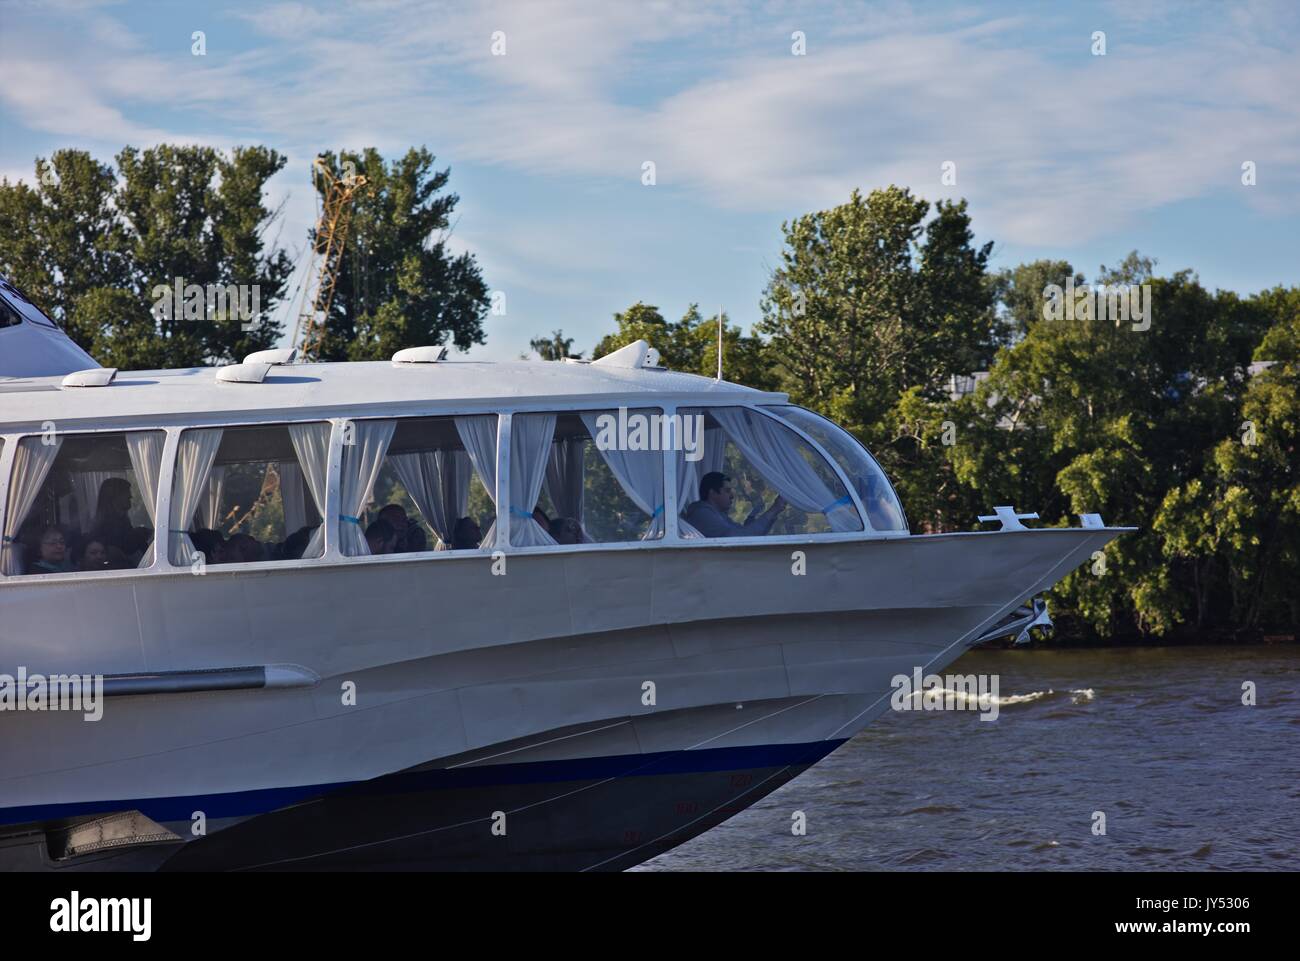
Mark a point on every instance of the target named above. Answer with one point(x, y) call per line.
point(91, 244)
point(691, 344)
point(871, 312)
point(555, 347)
point(1091, 415)
point(870, 300)
point(1237, 529)
point(64, 237)
point(398, 283)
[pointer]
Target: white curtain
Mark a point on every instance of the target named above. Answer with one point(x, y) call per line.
point(774, 450)
point(479, 435)
point(32, 462)
point(146, 449)
point(530, 446)
point(361, 462)
point(292, 497)
point(715, 448)
point(209, 512)
point(194, 456)
point(641, 474)
point(688, 492)
point(311, 442)
point(690, 473)
point(85, 491)
point(564, 477)
point(438, 482)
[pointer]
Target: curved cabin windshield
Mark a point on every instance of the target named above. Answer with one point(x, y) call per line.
point(884, 512)
point(742, 473)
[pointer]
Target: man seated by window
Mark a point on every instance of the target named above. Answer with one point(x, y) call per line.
point(710, 515)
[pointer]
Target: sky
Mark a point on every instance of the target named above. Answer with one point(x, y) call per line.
point(1062, 152)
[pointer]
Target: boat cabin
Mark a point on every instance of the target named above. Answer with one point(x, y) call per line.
point(267, 464)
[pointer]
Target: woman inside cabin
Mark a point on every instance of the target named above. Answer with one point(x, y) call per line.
point(53, 553)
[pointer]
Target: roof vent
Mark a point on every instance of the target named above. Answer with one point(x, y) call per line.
point(243, 373)
point(94, 377)
point(282, 355)
point(420, 355)
point(635, 355)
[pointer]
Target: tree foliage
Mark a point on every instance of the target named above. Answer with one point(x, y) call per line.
point(691, 344)
point(91, 243)
point(398, 284)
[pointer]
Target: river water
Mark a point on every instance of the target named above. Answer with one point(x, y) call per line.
point(1156, 739)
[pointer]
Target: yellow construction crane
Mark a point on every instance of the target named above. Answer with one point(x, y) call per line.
point(331, 235)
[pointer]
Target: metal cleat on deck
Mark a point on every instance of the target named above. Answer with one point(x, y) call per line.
point(1009, 518)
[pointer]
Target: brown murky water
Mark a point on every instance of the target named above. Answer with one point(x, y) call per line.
point(1157, 739)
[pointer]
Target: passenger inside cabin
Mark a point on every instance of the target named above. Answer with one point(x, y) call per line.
point(94, 556)
point(381, 537)
point(113, 523)
point(543, 521)
point(566, 530)
point(210, 544)
point(243, 549)
point(53, 554)
point(296, 543)
point(408, 537)
point(710, 515)
point(466, 536)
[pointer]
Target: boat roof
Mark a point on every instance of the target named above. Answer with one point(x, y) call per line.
point(378, 388)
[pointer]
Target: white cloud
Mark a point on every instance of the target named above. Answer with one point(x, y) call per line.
point(1045, 145)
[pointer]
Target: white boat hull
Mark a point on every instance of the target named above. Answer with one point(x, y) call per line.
point(477, 693)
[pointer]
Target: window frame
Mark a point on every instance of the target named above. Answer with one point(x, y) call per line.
point(167, 477)
point(8, 450)
point(332, 538)
point(668, 465)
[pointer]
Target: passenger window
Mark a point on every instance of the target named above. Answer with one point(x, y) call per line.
point(587, 477)
point(419, 484)
point(243, 495)
point(752, 475)
point(884, 511)
point(82, 502)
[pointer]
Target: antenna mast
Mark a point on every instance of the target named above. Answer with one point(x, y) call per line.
point(719, 342)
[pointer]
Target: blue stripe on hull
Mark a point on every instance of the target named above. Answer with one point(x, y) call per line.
point(248, 803)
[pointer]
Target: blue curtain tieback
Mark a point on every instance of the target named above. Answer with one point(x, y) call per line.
point(174, 531)
point(657, 511)
point(350, 519)
point(842, 502)
point(518, 513)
